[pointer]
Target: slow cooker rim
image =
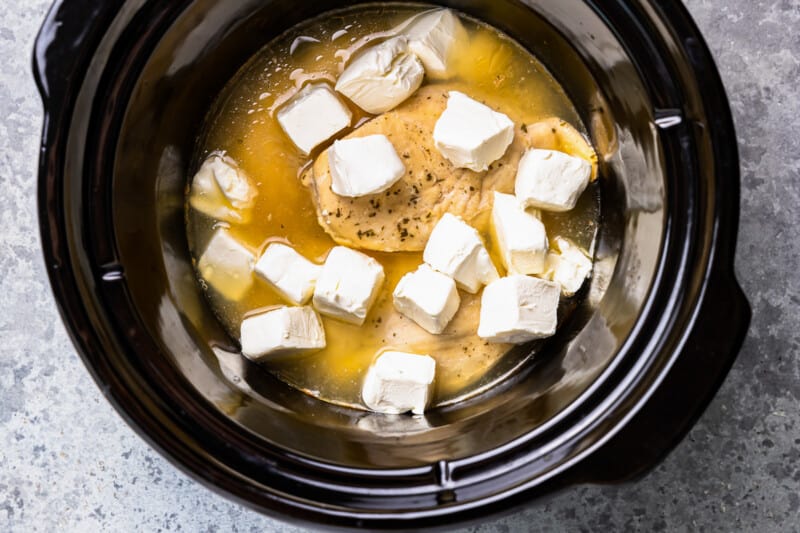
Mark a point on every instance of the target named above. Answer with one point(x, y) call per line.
point(59, 269)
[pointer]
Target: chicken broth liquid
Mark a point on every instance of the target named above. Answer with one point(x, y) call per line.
point(487, 66)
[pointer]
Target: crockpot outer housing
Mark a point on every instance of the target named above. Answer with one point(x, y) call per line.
point(494, 452)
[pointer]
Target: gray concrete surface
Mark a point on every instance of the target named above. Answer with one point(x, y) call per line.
point(69, 463)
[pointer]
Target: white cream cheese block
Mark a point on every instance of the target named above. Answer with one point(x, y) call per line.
point(470, 134)
point(427, 297)
point(221, 190)
point(348, 285)
point(455, 248)
point(364, 165)
point(567, 265)
point(289, 273)
point(519, 309)
point(520, 236)
point(551, 180)
point(433, 36)
point(227, 265)
point(282, 332)
point(382, 76)
point(398, 382)
point(313, 115)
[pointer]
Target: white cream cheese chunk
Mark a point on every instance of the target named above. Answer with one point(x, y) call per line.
point(313, 115)
point(432, 36)
point(470, 134)
point(455, 248)
point(364, 165)
point(348, 285)
point(227, 265)
point(568, 266)
point(221, 190)
point(518, 309)
point(289, 273)
point(398, 382)
point(382, 76)
point(520, 236)
point(427, 297)
point(551, 180)
point(282, 332)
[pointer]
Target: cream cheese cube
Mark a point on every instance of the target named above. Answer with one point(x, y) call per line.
point(551, 180)
point(313, 115)
point(221, 190)
point(364, 165)
point(521, 236)
point(382, 76)
point(427, 297)
point(568, 266)
point(432, 36)
point(289, 273)
point(280, 333)
point(519, 309)
point(470, 134)
point(348, 285)
point(455, 248)
point(227, 265)
point(398, 382)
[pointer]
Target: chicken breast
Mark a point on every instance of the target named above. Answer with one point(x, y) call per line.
point(461, 356)
point(556, 134)
point(402, 217)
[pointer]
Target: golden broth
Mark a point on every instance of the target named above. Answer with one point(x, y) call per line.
point(489, 66)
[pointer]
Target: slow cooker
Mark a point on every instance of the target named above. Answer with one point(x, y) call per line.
point(125, 87)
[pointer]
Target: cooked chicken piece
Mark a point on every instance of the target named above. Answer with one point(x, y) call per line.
point(556, 134)
point(402, 217)
point(461, 356)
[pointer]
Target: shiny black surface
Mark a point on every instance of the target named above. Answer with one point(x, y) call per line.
point(125, 90)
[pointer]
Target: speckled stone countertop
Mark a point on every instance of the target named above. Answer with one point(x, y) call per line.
point(69, 463)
